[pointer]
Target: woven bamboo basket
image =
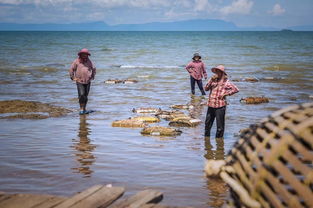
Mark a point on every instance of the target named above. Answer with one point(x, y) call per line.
point(271, 164)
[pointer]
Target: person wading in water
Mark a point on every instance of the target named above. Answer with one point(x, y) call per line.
point(82, 71)
point(196, 69)
point(219, 87)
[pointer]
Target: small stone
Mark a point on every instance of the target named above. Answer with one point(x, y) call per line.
point(147, 110)
point(254, 100)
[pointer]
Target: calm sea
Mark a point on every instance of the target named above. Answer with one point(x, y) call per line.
point(64, 155)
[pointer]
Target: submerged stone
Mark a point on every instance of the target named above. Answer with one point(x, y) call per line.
point(160, 131)
point(254, 100)
point(147, 110)
point(26, 109)
point(129, 123)
point(182, 106)
point(185, 122)
point(147, 119)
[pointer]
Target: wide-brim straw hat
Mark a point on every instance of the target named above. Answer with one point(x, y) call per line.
point(196, 55)
point(219, 67)
point(84, 50)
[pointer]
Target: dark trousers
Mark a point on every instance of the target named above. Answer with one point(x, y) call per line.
point(193, 83)
point(83, 91)
point(219, 114)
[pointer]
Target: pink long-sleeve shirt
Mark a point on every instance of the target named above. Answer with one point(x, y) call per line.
point(197, 70)
point(82, 72)
point(218, 91)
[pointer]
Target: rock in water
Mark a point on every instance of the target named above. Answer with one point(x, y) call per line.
point(128, 123)
point(147, 110)
point(182, 106)
point(147, 119)
point(254, 100)
point(160, 131)
point(31, 109)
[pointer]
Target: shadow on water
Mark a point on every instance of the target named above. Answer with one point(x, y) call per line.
point(84, 149)
point(216, 186)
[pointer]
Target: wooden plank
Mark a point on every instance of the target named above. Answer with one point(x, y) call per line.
point(160, 206)
point(140, 199)
point(51, 202)
point(78, 197)
point(5, 197)
point(24, 200)
point(101, 198)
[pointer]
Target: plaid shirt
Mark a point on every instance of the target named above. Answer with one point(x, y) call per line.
point(197, 70)
point(219, 91)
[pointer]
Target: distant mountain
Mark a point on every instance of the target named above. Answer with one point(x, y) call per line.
point(187, 25)
point(302, 28)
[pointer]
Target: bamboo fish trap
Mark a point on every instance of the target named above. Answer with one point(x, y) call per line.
point(271, 164)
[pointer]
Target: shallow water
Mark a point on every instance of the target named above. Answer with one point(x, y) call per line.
point(68, 154)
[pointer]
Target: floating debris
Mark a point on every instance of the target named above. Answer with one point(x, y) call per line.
point(160, 131)
point(129, 123)
point(147, 110)
point(26, 109)
point(147, 119)
point(182, 106)
point(185, 122)
point(254, 100)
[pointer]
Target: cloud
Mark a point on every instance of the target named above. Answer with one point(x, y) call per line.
point(277, 10)
point(202, 5)
point(238, 7)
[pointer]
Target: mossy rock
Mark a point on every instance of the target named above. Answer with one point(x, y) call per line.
point(185, 122)
point(254, 100)
point(146, 119)
point(187, 107)
point(27, 108)
point(129, 123)
point(160, 131)
point(170, 115)
point(147, 110)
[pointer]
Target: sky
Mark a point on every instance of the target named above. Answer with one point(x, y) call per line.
point(244, 13)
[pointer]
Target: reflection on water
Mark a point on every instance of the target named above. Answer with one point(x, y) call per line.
point(216, 186)
point(84, 149)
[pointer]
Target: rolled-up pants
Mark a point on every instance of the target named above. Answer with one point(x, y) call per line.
point(219, 114)
point(83, 91)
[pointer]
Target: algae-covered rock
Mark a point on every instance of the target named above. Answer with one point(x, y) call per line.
point(160, 131)
point(182, 107)
point(26, 108)
point(254, 100)
point(147, 110)
point(250, 79)
point(129, 123)
point(185, 122)
point(129, 81)
point(147, 119)
point(170, 115)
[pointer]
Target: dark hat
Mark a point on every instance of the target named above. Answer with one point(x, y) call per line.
point(196, 55)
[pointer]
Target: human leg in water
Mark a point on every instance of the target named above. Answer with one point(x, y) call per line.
point(220, 121)
point(210, 116)
point(192, 84)
point(83, 91)
point(200, 85)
